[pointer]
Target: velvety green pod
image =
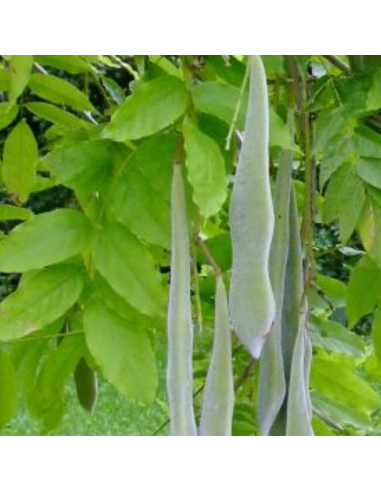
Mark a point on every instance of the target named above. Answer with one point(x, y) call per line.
point(272, 382)
point(293, 289)
point(218, 405)
point(180, 329)
point(299, 414)
point(252, 223)
point(86, 383)
point(307, 371)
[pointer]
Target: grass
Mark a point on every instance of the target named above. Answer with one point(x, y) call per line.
point(114, 416)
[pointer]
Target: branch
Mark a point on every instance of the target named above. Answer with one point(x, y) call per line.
point(343, 67)
point(320, 415)
point(125, 66)
point(208, 255)
point(246, 374)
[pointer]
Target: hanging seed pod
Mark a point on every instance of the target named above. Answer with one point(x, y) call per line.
point(218, 405)
point(252, 223)
point(293, 292)
point(299, 409)
point(272, 382)
point(86, 383)
point(180, 329)
point(307, 372)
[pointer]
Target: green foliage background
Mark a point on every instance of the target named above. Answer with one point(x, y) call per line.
point(98, 134)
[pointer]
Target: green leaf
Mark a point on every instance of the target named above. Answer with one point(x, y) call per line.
point(132, 200)
point(364, 290)
point(86, 384)
point(41, 299)
point(342, 414)
point(220, 100)
point(374, 95)
point(369, 171)
point(8, 391)
point(376, 334)
point(8, 113)
point(280, 135)
point(221, 248)
point(20, 68)
point(59, 91)
point(165, 65)
point(152, 107)
point(333, 124)
point(20, 161)
point(129, 268)
point(154, 158)
point(70, 63)
point(56, 115)
point(206, 170)
point(113, 89)
point(274, 65)
point(367, 142)
point(370, 227)
point(58, 367)
point(10, 212)
point(103, 293)
point(123, 353)
point(372, 62)
point(333, 337)
point(86, 167)
point(5, 83)
point(44, 240)
point(335, 290)
point(345, 200)
point(337, 381)
point(337, 152)
point(236, 72)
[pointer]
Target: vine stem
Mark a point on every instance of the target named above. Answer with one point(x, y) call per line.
point(125, 66)
point(338, 63)
point(208, 255)
point(44, 338)
point(197, 294)
point(233, 125)
point(300, 96)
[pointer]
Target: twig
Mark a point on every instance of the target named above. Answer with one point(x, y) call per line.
point(197, 294)
point(124, 65)
point(245, 375)
point(238, 107)
point(338, 63)
point(208, 255)
point(43, 338)
point(334, 425)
